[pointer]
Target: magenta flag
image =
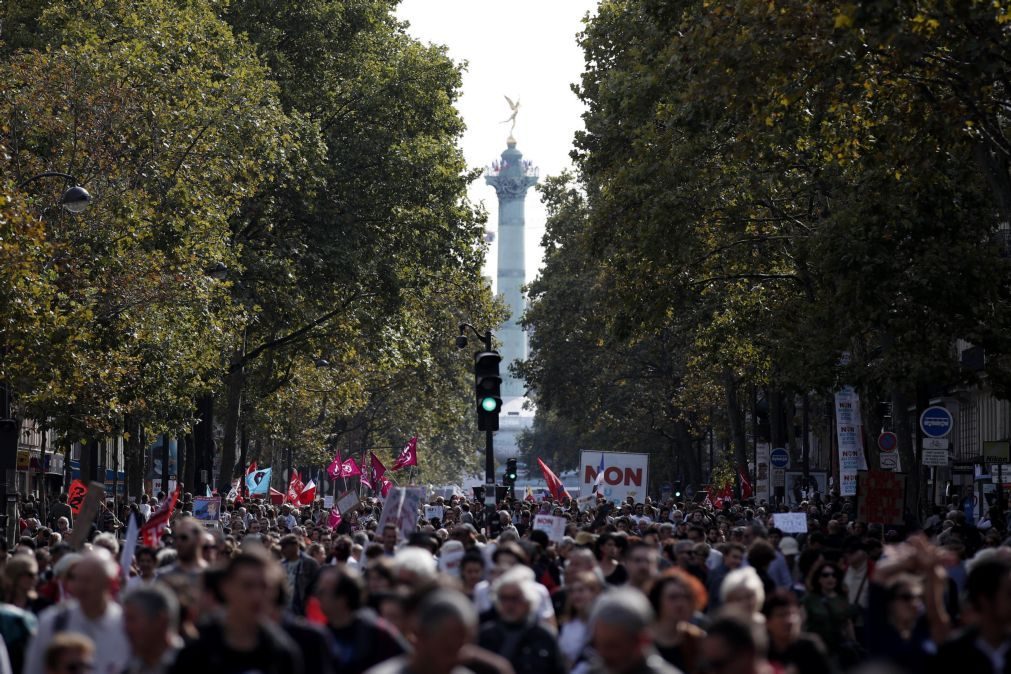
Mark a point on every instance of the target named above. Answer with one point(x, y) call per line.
point(335, 518)
point(334, 469)
point(350, 468)
point(409, 455)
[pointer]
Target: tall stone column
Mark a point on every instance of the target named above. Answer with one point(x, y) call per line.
point(511, 178)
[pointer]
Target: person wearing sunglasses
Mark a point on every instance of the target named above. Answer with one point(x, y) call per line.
point(829, 613)
point(188, 541)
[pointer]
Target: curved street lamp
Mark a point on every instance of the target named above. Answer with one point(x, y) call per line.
point(75, 198)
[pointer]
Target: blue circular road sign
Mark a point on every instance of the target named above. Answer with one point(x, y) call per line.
point(935, 422)
point(779, 458)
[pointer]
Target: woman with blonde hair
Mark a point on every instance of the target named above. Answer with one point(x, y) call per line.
point(583, 589)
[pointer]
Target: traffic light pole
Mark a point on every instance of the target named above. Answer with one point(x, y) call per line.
point(489, 469)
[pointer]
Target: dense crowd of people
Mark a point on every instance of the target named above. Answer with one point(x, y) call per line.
point(631, 588)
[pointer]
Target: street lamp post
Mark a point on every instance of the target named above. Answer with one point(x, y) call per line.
point(74, 200)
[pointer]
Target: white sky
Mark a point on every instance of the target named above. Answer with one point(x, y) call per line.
point(524, 48)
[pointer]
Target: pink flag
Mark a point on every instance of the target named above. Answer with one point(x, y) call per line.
point(409, 455)
point(555, 485)
point(349, 468)
point(335, 518)
point(334, 469)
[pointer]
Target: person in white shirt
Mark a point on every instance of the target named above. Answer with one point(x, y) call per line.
point(92, 613)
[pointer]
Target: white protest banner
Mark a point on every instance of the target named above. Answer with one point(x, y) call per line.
point(624, 475)
point(790, 523)
point(849, 432)
point(401, 509)
point(129, 546)
point(433, 512)
point(327, 502)
point(553, 526)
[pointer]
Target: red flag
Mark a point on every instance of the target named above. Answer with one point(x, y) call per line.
point(746, 490)
point(376, 472)
point(349, 468)
point(385, 486)
point(295, 487)
point(152, 530)
point(334, 469)
point(335, 518)
point(554, 484)
point(408, 456)
point(251, 469)
point(75, 496)
point(308, 494)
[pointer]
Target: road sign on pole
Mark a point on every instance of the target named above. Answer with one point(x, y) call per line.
point(779, 458)
point(936, 422)
point(935, 457)
point(888, 441)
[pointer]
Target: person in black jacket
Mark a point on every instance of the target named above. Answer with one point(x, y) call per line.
point(980, 648)
point(516, 634)
point(243, 640)
point(359, 639)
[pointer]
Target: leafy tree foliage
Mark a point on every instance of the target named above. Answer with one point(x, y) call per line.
point(769, 185)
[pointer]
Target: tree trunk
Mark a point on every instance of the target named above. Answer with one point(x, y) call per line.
point(134, 458)
point(907, 440)
point(203, 443)
point(735, 418)
point(776, 435)
point(790, 408)
point(191, 470)
point(233, 403)
point(689, 455)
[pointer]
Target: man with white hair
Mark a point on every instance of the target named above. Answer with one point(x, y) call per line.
point(620, 633)
point(516, 634)
point(92, 613)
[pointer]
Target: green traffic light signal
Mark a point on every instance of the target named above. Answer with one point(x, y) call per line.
point(489, 404)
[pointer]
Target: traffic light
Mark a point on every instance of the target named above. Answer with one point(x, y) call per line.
point(488, 388)
point(677, 489)
point(510, 472)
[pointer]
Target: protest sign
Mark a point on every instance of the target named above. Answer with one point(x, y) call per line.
point(347, 502)
point(327, 502)
point(207, 508)
point(881, 495)
point(554, 527)
point(435, 512)
point(790, 523)
point(89, 511)
point(401, 509)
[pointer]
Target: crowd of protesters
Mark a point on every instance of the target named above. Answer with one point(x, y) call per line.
point(631, 588)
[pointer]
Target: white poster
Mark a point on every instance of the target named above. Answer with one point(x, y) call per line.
point(625, 475)
point(762, 468)
point(433, 512)
point(790, 523)
point(554, 527)
point(849, 432)
point(401, 509)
